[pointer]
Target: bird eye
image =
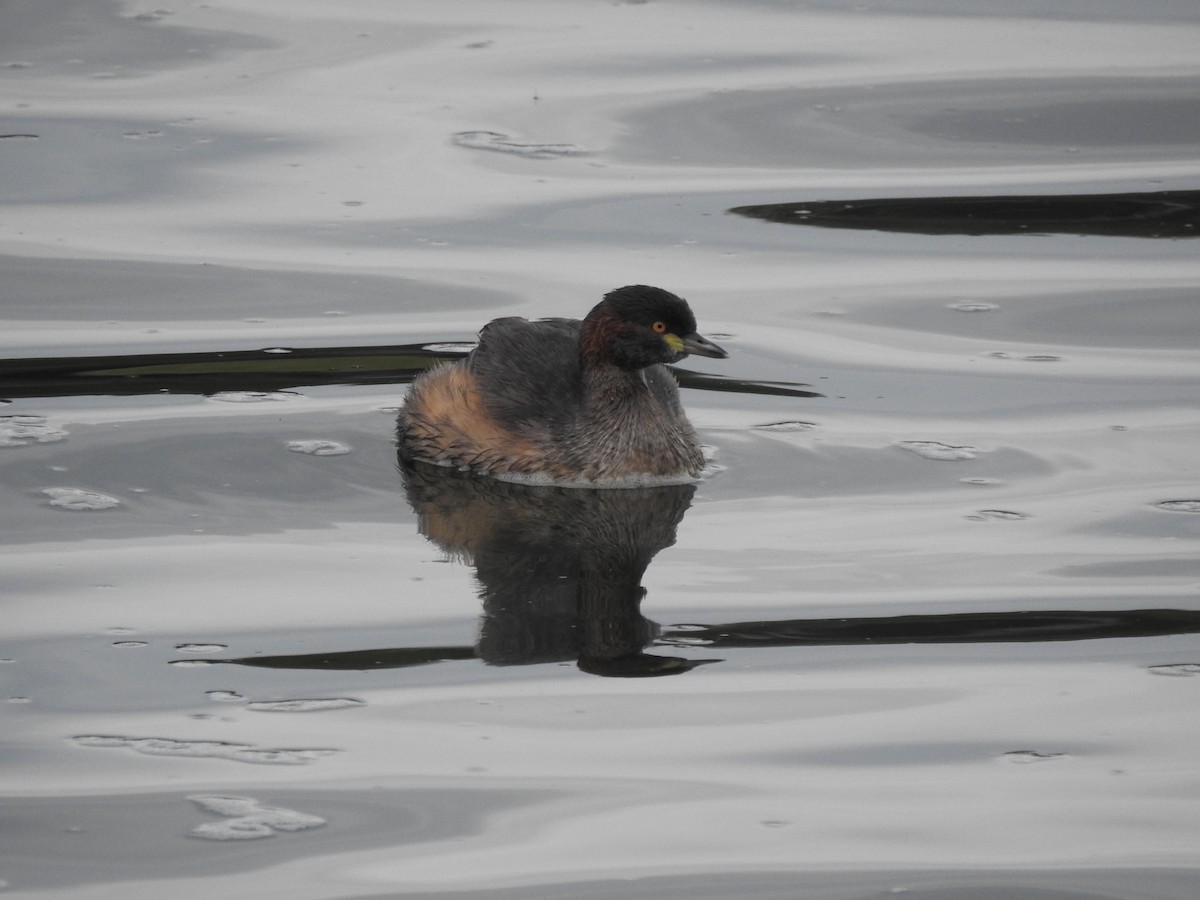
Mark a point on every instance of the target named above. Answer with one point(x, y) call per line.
point(659, 327)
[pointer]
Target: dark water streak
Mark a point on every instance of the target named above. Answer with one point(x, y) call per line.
point(955, 628)
point(1160, 214)
point(274, 369)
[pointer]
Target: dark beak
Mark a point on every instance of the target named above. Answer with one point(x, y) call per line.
point(702, 346)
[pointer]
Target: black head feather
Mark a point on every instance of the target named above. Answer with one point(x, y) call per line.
point(631, 328)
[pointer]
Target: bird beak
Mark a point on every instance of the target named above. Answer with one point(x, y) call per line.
point(702, 346)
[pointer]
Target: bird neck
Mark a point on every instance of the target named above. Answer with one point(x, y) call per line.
point(625, 430)
point(601, 331)
point(611, 393)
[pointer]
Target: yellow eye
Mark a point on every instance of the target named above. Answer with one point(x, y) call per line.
point(659, 327)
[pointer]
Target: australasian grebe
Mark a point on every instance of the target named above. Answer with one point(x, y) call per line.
point(563, 401)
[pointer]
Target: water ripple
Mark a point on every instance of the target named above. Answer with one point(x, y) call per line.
point(318, 705)
point(1189, 506)
point(251, 396)
point(1176, 670)
point(319, 448)
point(248, 819)
point(1025, 757)
point(502, 143)
point(937, 450)
point(79, 500)
point(997, 515)
point(21, 431)
point(246, 753)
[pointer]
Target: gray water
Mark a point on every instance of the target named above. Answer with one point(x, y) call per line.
point(930, 620)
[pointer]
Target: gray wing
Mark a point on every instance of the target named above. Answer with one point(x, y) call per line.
point(528, 372)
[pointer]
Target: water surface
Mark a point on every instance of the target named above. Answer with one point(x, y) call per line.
point(927, 625)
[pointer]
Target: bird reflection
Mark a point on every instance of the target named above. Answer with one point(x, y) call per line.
point(559, 569)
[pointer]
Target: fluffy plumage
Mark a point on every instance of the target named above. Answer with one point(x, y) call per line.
point(565, 401)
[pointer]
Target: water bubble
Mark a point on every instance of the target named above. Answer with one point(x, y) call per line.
point(1003, 515)
point(501, 143)
point(937, 450)
point(224, 696)
point(21, 431)
point(981, 482)
point(130, 644)
point(1044, 357)
point(248, 819)
point(246, 753)
point(191, 663)
point(786, 426)
point(1176, 670)
point(1189, 506)
point(450, 347)
point(201, 648)
point(252, 396)
point(319, 705)
point(319, 448)
point(79, 500)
